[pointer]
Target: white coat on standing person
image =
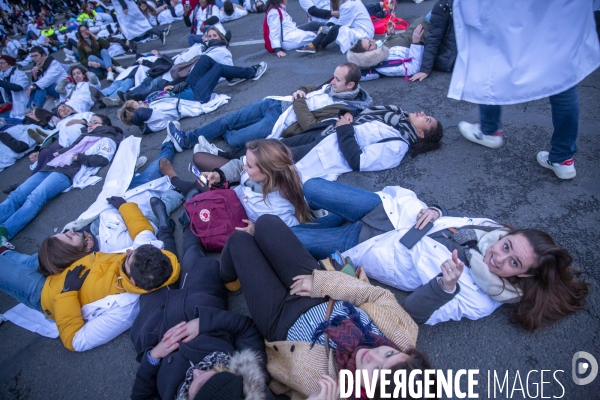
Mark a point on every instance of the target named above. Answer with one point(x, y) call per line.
point(356, 24)
point(133, 23)
point(543, 49)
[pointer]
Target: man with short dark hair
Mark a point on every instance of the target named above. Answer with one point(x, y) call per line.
point(283, 116)
point(46, 74)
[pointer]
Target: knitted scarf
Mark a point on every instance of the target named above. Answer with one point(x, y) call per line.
point(207, 363)
point(350, 335)
point(356, 98)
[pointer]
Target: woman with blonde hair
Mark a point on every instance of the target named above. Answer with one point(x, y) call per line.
point(269, 183)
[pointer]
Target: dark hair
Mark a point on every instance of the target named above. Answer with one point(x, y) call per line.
point(432, 140)
point(150, 267)
point(417, 360)
point(358, 47)
point(262, 8)
point(55, 255)
point(353, 74)
point(104, 118)
point(37, 49)
point(83, 44)
point(273, 4)
point(44, 116)
point(228, 7)
point(551, 292)
point(82, 69)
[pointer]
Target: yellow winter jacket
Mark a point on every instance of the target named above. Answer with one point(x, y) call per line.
point(106, 277)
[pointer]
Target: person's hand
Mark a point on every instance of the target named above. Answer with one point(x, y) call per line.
point(329, 389)
point(451, 271)
point(94, 64)
point(335, 14)
point(391, 28)
point(33, 157)
point(280, 54)
point(249, 229)
point(298, 94)
point(302, 285)
point(74, 157)
point(125, 11)
point(419, 76)
point(155, 52)
point(425, 216)
point(72, 280)
point(186, 332)
point(116, 201)
point(212, 177)
point(168, 88)
point(417, 33)
point(170, 341)
point(35, 70)
point(345, 119)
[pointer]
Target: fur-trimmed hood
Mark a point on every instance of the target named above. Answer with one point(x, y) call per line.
point(247, 364)
point(369, 58)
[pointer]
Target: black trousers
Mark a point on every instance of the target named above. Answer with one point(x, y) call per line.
point(266, 264)
point(302, 144)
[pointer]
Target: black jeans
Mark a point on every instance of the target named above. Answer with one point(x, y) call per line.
point(266, 264)
point(302, 144)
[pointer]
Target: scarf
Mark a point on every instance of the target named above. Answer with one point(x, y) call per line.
point(498, 288)
point(207, 363)
point(350, 335)
point(66, 158)
point(356, 98)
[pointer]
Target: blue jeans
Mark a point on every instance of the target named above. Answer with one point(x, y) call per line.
point(149, 85)
point(105, 62)
point(565, 118)
point(20, 279)
point(23, 204)
point(345, 204)
point(206, 74)
point(254, 121)
point(122, 86)
point(152, 171)
point(38, 96)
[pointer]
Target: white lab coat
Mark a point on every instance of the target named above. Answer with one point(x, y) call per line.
point(388, 261)
point(19, 99)
point(293, 37)
point(79, 96)
point(237, 14)
point(542, 48)
point(165, 17)
point(19, 132)
point(322, 4)
point(401, 53)
point(356, 24)
point(54, 74)
point(326, 160)
point(132, 24)
point(68, 134)
point(203, 15)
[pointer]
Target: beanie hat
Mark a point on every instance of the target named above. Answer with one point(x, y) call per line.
point(9, 60)
point(222, 386)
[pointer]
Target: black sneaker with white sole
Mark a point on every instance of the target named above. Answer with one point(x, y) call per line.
point(259, 69)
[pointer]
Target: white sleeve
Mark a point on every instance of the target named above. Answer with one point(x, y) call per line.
point(306, 4)
point(275, 28)
point(147, 237)
point(468, 303)
point(105, 327)
point(105, 147)
point(53, 75)
point(380, 156)
point(346, 16)
point(158, 121)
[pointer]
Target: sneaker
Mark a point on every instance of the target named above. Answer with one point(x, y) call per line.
point(370, 76)
point(4, 239)
point(259, 69)
point(473, 133)
point(177, 137)
point(163, 37)
point(140, 162)
point(68, 53)
point(110, 76)
point(70, 59)
point(309, 48)
point(168, 30)
point(111, 101)
point(564, 170)
point(235, 81)
point(121, 96)
point(204, 146)
point(118, 70)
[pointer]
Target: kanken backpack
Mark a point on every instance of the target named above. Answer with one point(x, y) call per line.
point(214, 215)
point(268, 45)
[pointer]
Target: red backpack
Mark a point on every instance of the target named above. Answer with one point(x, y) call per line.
point(266, 30)
point(214, 215)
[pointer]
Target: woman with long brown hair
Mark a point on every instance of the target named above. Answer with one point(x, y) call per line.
point(93, 54)
point(269, 183)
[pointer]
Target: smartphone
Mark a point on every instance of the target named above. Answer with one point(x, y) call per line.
point(192, 168)
point(413, 236)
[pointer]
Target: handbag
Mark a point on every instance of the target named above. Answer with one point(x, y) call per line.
point(380, 24)
point(214, 215)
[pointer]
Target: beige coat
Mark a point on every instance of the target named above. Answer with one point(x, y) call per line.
point(295, 368)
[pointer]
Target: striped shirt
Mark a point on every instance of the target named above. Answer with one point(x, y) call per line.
point(304, 327)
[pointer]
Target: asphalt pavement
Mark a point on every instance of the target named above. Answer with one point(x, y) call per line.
point(506, 185)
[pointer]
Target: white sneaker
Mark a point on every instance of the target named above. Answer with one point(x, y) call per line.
point(112, 101)
point(118, 70)
point(564, 170)
point(110, 76)
point(473, 133)
point(140, 162)
point(204, 146)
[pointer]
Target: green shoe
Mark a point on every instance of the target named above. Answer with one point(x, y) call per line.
point(4, 239)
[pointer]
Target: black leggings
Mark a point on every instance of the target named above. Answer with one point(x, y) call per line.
point(323, 39)
point(266, 264)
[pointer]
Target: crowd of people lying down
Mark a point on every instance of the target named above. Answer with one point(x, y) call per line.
point(300, 246)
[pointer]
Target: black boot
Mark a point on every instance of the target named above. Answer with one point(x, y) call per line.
point(160, 211)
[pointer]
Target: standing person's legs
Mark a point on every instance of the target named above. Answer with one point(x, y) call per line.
point(488, 132)
point(490, 118)
point(21, 280)
point(565, 118)
point(152, 171)
point(267, 297)
point(53, 184)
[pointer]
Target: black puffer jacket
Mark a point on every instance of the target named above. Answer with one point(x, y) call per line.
point(440, 46)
